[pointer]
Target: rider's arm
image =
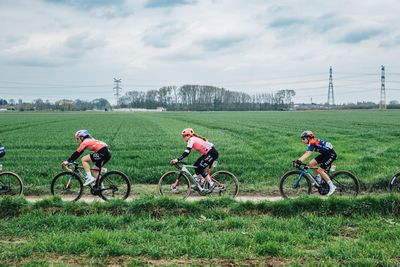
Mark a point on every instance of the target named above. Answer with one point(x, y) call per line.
point(305, 156)
point(78, 152)
point(185, 153)
point(74, 156)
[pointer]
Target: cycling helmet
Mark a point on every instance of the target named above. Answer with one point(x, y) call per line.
point(81, 134)
point(306, 134)
point(2, 151)
point(187, 131)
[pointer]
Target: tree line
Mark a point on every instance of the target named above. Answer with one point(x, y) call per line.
point(204, 97)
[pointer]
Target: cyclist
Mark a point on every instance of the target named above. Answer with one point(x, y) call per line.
point(100, 156)
point(324, 159)
point(209, 155)
point(2, 150)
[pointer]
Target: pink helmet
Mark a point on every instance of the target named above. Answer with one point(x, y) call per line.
point(187, 131)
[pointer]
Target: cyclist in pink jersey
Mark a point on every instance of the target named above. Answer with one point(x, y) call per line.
point(100, 156)
point(209, 155)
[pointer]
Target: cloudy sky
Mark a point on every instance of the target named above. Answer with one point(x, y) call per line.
point(53, 49)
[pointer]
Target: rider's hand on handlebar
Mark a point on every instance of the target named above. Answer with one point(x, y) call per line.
point(296, 163)
point(174, 161)
point(65, 163)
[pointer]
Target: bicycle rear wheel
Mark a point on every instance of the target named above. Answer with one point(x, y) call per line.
point(174, 184)
point(294, 184)
point(225, 184)
point(346, 183)
point(10, 184)
point(394, 184)
point(114, 185)
point(67, 185)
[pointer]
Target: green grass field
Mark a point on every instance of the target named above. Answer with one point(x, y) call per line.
point(159, 231)
point(257, 146)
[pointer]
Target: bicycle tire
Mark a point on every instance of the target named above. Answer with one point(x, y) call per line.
point(165, 187)
point(291, 177)
point(108, 184)
point(346, 183)
point(394, 183)
point(58, 186)
point(11, 184)
point(226, 184)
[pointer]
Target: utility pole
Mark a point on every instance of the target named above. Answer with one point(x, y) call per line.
point(331, 97)
point(117, 89)
point(382, 103)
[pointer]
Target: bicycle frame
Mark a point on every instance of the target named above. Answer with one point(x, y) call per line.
point(305, 170)
point(79, 170)
point(183, 168)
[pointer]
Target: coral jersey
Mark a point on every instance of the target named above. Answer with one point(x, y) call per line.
point(91, 144)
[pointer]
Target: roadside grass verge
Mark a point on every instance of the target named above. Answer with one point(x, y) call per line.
point(336, 231)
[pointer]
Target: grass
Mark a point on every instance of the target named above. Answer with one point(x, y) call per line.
point(363, 231)
point(257, 146)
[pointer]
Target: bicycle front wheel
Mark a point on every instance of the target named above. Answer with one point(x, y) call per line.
point(346, 183)
point(225, 184)
point(10, 184)
point(293, 184)
point(114, 185)
point(67, 185)
point(394, 184)
point(174, 184)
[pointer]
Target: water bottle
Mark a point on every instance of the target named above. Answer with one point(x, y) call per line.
point(318, 178)
point(333, 168)
point(103, 171)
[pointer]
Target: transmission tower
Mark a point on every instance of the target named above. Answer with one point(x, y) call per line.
point(117, 89)
point(331, 97)
point(382, 103)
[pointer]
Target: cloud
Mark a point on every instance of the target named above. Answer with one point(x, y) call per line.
point(168, 3)
point(219, 43)
point(392, 42)
point(287, 22)
point(163, 35)
point(87, 4)
point(359, 35)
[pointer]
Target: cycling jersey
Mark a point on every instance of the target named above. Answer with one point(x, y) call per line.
point(199, 144)
point(320, 146)
point(91, 144)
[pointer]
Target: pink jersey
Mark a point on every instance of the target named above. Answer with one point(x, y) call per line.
point(91, 144)
point(199, 144)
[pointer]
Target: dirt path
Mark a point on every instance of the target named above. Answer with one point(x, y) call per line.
point(90, 198)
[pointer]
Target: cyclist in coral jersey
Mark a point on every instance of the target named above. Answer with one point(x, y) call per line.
point(100, 156)
point(209, 155)
point(324, 159)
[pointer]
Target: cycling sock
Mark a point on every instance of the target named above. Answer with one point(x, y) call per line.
point(330, 183)
point(88, 174)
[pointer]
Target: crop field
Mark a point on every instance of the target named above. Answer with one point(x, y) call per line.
point(257, 146)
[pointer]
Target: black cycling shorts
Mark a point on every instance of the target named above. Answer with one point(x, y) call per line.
point(325, 160)
point(101, 157)
point(204, 161)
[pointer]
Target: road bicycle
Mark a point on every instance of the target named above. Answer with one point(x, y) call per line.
point(68, 185)
point(177, 184)
point(394, 184)
point(10, 183)
point(300, 182)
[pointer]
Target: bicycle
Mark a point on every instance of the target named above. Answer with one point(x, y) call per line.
point(68, 185)
point(394, 184)
point(177, 184)
point(10, 183)
point(299, 182)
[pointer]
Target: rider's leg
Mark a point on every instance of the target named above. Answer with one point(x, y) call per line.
point(86, 166)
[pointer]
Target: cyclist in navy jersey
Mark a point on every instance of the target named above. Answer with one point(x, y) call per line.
point(325, 158)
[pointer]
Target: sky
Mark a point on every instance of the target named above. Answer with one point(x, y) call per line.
point(55, 49)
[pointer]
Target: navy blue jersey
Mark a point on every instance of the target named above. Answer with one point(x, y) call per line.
point(320, 146)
